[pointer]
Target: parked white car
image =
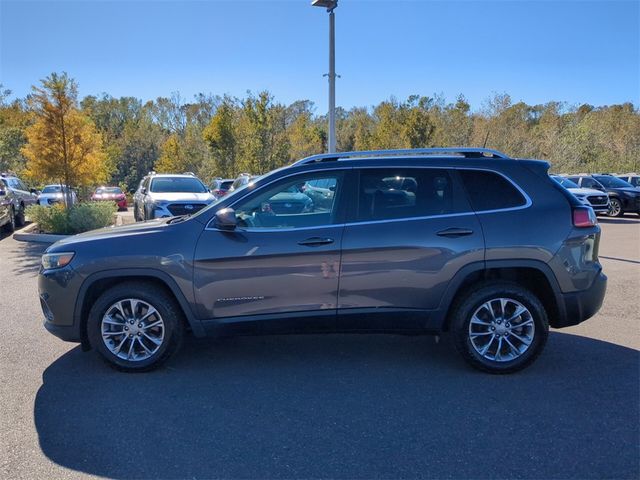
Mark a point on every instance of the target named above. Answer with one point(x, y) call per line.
point(595, 199)
point(54, 194)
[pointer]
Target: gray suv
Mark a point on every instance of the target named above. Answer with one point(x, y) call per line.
point(466, 241)
point(168, 195)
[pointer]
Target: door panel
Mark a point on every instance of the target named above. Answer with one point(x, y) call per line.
point(283, 257)
point(252, 272)
point(405, 262)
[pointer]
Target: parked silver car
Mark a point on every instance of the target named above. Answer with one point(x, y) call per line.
point(596, 199)
point(54, 194)
point(168, 195)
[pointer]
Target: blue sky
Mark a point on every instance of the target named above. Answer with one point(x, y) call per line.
point(577, 51)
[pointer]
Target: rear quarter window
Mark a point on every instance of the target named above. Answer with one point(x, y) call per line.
point(490, 191)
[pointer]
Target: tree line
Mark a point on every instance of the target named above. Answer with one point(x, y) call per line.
point(54, 136)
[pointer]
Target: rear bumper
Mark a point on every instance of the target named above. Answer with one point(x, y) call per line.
point(576, 307)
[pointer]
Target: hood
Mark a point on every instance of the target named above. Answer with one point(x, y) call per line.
point(586, 191)
point(51, 195)
point(138, 228)
point(184, 197)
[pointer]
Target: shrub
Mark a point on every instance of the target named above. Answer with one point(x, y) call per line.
point(77, 219)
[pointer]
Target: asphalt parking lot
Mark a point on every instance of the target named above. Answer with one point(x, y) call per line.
point(324, 406)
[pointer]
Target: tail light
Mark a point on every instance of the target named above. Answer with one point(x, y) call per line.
point(219, 193)
point(584, 217)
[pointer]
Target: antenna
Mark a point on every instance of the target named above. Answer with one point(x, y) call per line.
point(484, 145)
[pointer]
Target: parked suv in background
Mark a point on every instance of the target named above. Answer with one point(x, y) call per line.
point(631, 178)
point(596, 199)
point(15, 197)
point(242, 180)
point(456, 245)
point(220, 186)
point(168, 195)
point(623, 197)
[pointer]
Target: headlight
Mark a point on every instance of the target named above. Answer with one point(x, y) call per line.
point(56, 260)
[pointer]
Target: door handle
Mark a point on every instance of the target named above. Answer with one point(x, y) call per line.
point(454, 232)
point(315, 241)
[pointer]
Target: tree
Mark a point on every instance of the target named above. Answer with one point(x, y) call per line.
point(172, 158)
point(220, 136)
point(63, 144)
point(14, 119)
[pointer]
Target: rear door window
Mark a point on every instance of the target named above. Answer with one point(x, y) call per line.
point(395, 193)
point(490, 190)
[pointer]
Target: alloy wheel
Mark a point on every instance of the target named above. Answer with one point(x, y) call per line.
point(132, 329)
point(501, 329)
point(614, 207)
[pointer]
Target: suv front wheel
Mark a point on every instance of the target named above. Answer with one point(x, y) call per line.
point(135, 326)
point(499, 327)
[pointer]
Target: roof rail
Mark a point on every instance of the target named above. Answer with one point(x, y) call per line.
point(467, 152)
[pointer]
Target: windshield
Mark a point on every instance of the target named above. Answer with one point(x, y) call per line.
point(108, 190)
point(52, 189)
point(177, 184)
point(612, 182)
point(565, 182)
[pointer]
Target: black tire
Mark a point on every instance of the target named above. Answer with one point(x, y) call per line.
point(136, 217)
point(615, 206)
point(466, 306)
point(20, 220)
point(156, 296)
point(10, 226)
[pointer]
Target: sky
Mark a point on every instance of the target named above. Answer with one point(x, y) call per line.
point(574, 51)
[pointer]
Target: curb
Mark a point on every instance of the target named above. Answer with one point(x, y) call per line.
point(25, 235)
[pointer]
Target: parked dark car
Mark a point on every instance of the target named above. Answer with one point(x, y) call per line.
point(15, 197)
point(631, 178)
point(111, 194)
point(461, 250)
point(623, 197)
point(220, 186)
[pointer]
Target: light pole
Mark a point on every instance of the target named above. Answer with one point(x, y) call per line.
point(331, 5)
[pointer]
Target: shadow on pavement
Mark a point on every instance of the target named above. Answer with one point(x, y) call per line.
point(630, 218)
point(345, 407)
point(26, 257)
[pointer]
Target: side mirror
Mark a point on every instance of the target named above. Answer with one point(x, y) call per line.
point(143, 191)
point(225, 219)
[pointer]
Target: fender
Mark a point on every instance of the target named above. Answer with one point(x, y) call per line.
point(194, 323)
point(440, 315)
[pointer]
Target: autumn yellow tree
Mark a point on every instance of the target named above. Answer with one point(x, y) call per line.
point(172, 159)
point(63, 144)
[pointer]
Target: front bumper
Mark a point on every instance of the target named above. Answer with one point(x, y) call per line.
point(58, 291)
point(576, 307)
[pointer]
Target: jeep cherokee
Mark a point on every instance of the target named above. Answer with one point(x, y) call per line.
point(467, 241)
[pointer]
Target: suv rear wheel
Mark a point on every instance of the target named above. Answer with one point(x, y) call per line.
point(499, 327)
point(135, 326)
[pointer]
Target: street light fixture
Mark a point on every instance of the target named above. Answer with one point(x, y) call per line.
point(331, 5)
